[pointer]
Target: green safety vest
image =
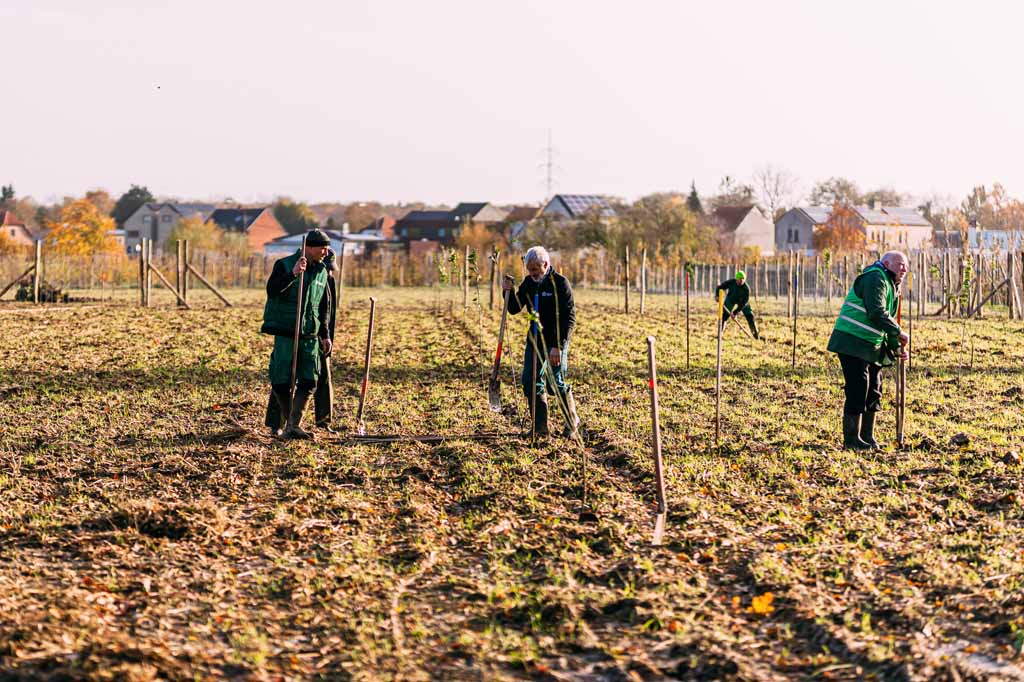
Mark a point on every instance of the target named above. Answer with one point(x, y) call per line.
point(279, 312)
point(853, 318)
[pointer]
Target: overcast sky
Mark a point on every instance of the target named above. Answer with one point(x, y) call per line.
point(447, 101)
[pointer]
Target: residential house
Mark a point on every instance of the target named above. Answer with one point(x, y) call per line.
point(383, 226)
point(257, 223)
point(745, 227)
point(156, 220)
point(577, 206)
point(898, 228)
point(794, 230)
point(884, 228)
point(15, 229)
point(444, 227)
point(517, 220)
point(353, 244)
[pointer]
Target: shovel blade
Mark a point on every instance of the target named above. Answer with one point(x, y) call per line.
point(494, 396)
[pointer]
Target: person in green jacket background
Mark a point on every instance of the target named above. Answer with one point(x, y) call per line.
point(737, 300)
point(866, 337)
point(314, 331)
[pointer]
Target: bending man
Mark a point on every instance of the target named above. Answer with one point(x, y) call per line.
point(866, 338)
point(737, 300)
point(314, 331)
point(549, 294)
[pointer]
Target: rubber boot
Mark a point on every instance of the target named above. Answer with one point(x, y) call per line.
point(294, 429)
point(278, 410)
point(573, 421)
point(753, 329)
point(541, 418)
point(851, 433)
point(867, 430)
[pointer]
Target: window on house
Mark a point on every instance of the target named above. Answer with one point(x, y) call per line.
point(12, 231)
point(440, 232)
point(796, 236)
point(132, 234)
point(147, 219)
point(165, 218)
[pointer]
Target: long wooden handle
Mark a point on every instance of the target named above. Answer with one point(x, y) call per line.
point(366, 361)
point(501, 336)
point(298, 321)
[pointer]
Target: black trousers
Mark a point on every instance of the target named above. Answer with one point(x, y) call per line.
point(863, 385)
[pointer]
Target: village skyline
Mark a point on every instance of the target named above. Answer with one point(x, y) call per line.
point(393, 101)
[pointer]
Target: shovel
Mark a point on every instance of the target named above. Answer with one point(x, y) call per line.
point(494, 386)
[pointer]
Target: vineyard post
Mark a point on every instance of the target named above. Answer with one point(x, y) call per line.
point(659, 469)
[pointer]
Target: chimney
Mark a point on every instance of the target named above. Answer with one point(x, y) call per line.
point(344, 228)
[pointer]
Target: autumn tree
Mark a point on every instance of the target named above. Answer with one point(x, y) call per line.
point(479, 237)
point(6, 196)
point(201, 236)
point(844, 230)
point(8, 247)
point(295, 217)
point(829, 192)
point(101, 199)
point(129, 202)
point(82, 230)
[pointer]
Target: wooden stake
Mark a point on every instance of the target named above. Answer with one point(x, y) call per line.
point(149, 273)
point(795, 311)
point(686, 274)
point(626, 271)
point(142, 273)
point(659, 471)
point(37, 272)
point(789, 288)
point(643, 281)
point(465, 280)
point(718, 371)
point(298, 317)
point(366, 369)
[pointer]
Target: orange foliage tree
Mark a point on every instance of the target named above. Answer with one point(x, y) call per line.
point(82, 230)
point(844, 231)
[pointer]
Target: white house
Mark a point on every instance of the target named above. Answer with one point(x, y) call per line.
point(746, 227)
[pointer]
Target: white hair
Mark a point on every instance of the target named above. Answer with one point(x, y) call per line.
point(537, 254)
point(888, 256)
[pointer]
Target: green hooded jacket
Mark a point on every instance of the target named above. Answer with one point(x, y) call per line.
point(279, 319)
point(866, 327)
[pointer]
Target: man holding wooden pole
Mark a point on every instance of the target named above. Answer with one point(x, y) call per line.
point(737, 300)
point(548, 294)
point(867, 337)
point(304, 268)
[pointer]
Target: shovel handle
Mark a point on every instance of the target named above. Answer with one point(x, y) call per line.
point(501, 337)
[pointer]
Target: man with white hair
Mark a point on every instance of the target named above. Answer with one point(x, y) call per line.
point(867, 337)
point(548, 294)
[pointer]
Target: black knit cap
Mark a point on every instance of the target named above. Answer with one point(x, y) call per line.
point(317, 238)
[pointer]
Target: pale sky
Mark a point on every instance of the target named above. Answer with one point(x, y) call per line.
point(443, 101)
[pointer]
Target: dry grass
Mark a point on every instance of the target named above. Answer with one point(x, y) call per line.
point(149, 529)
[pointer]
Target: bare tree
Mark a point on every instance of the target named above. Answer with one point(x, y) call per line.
point(776, 189)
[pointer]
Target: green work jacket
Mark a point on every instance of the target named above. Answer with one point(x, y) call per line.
point(866, 327)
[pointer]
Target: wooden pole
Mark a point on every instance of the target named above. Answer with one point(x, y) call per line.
point(341, 274)
point(659, 469)
point(910, 319)
point(626, 271)
point(366, 368)
point(718, 370)
point(142, 272)
point(37, 272)
point(184, 270)
point(686, 274)
point(643, 281)
point(298, 318)
point(494, 271)
point(789, 288)
point(795, 311)
point(465, 280)
point(149, 273)
point(179, 271)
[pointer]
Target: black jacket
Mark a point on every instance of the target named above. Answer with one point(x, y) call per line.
point(736, 295)
point(557, 309)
